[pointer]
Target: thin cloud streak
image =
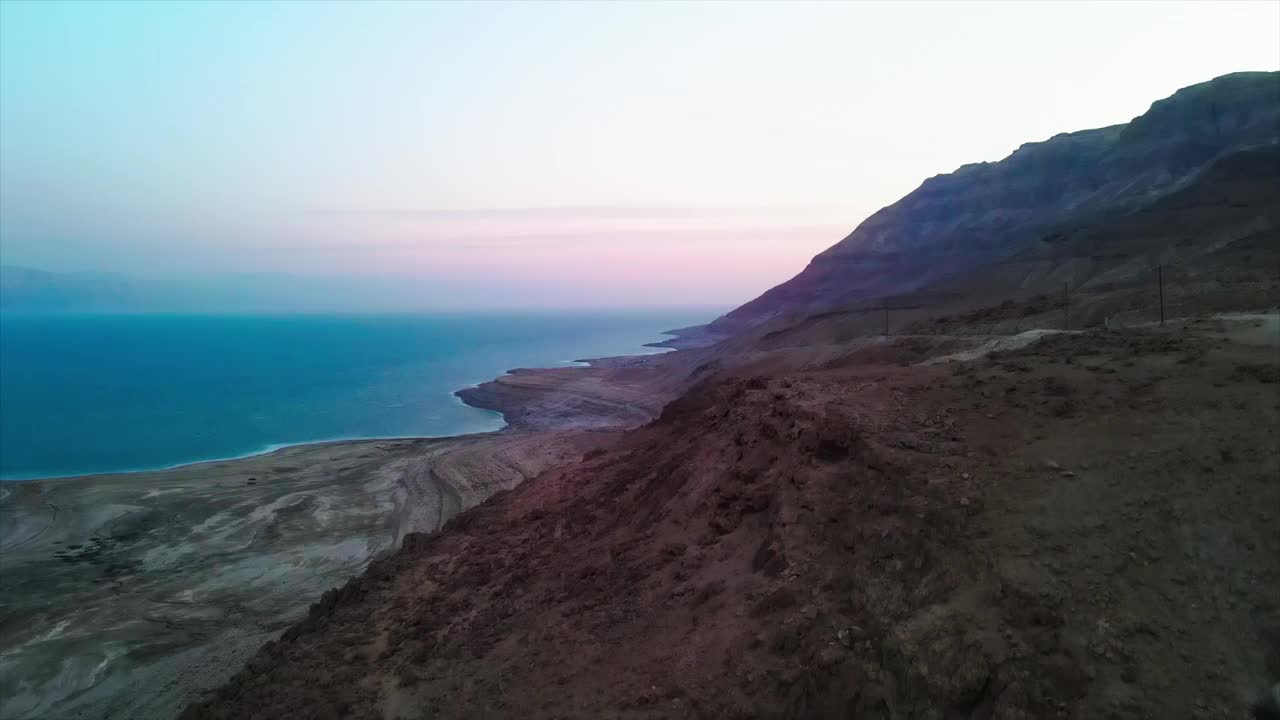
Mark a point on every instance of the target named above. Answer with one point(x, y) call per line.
point(603, 212)
point(704, 152)
point(742, 236)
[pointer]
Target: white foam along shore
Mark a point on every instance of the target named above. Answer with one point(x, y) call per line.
point(259, 453)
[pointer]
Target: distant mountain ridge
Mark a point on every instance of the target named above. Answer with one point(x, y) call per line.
point(985, 212)
point(29, 289)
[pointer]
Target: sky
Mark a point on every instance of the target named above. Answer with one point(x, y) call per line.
point(528, 154)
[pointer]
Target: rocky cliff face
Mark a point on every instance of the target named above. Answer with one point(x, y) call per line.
point(990, 211)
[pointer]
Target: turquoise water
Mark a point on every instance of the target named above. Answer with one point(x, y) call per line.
point(86, 394)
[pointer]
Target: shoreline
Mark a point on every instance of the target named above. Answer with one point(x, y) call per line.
point(641, 350)
point(131, 594)
point(269, 450)
point(820, 510)
point(456, 396)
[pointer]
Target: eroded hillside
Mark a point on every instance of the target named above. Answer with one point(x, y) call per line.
point(963, 222)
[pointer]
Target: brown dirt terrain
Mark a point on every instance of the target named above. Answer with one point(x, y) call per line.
point(617, 392)
point(1085, 527)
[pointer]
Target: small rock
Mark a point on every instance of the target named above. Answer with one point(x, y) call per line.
point(856, 633)
point(1052, 465)
point(1067, 474)
point(829, 656)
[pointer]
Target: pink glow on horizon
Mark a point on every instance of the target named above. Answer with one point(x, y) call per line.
point(658, 265)
point(588, 153)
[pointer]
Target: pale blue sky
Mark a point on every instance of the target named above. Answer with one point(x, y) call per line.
point(694, 152)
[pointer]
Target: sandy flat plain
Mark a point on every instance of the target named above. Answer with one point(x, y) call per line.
point(126, 595)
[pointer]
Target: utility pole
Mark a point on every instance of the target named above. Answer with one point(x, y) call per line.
point(1066, 306)
point(1160, 281)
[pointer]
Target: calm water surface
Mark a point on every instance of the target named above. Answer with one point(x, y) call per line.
point(86, 394)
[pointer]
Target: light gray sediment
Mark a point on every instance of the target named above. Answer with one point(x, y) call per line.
point(122, 595)
point(128, 595)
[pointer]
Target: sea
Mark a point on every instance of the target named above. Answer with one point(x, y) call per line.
point(87, 394)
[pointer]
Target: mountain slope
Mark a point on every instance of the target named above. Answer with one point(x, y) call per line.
point(871, 541)
point(27, 289)
point(989, 211)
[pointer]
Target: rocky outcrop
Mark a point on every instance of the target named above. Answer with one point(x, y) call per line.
point(610, 393)
point(990, 211)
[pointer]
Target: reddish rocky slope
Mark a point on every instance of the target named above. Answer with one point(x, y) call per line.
point(1069, 530)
